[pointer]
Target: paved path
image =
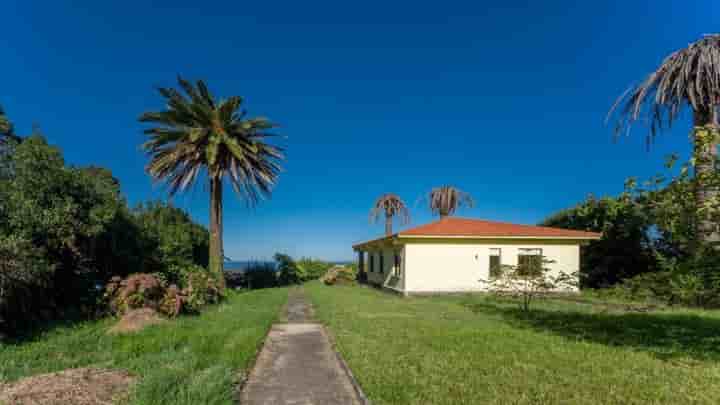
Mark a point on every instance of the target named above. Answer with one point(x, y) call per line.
point(298, 365)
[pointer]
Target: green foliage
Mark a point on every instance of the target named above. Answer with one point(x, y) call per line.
point(140, 290)
point(201, 288)
point(625, 249)
point(172, 241)
point(530, 282)
point(260, 275)
point(288, 272)
point(312, 269)
point(66, 231)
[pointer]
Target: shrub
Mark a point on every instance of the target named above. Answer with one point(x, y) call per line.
point(312, 269)
point(529, 284)
point(23, 271)
point(136, 291)
point(173, 302)
point(288, 271)
point(260, 275)
point(201, 289)
point(341, 275)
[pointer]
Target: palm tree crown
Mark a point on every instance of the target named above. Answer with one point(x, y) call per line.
point(198, 134)
point(446, 200)
point(389, 205)
point(688, 77)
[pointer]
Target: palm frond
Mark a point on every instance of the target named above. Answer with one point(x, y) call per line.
point(390, 205)
point(687, 77)
point(195, 135)
point(445, 200)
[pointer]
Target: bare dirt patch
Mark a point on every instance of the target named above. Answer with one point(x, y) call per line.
point(79, 386)
point(137, 320)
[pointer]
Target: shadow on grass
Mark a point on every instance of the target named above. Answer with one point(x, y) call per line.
point(665, 335)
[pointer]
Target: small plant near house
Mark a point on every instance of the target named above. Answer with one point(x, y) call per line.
point(529, 282)
point(340, 275)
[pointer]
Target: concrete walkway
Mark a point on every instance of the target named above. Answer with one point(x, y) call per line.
point(298, 365)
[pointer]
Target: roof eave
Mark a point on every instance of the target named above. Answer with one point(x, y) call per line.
point(579, 237)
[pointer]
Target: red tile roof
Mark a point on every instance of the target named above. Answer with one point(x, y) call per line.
point(451, 226)
point(464, 227)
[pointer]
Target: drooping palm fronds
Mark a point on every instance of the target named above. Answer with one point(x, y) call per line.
point(688, 77)
point(446, 200)
point(389, 205)
point(197, 133)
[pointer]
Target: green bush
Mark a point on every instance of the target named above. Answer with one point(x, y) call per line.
point(312, 269)
point(260, 275)
point(288, 272)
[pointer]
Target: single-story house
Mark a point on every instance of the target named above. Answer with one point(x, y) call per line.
point(454, 254)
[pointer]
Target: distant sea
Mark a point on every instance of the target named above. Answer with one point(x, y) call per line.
point(242, 265)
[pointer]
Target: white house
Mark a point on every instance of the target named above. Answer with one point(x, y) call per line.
point(453, 254)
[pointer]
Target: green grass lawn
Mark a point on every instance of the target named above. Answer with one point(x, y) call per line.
point(473, 349)
point(192, 360)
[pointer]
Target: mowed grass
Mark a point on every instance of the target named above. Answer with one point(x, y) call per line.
point(473, 349)
point(191, 360)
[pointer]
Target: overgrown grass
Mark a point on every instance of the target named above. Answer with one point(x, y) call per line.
point(473, 349)
point(192, 360)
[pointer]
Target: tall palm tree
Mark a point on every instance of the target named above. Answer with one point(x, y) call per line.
point(390, 206)
point(688, 77)
point(199, 134)
point(446, 200)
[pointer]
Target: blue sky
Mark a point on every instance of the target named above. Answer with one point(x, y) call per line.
point(504, 99)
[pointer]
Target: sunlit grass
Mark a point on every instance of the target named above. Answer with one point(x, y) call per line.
point(471, 349)
point(191, 360)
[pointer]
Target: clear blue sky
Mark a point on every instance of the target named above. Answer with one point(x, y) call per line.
point(504, 99)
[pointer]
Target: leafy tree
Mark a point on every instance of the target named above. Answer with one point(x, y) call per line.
point(53, 213)
point(389, 205)
point(197, 134)
point(625, 248)
point(445, 200)
point(288, 271)
point(172, 241)
point(688, 77)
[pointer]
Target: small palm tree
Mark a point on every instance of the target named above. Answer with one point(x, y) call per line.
point(446, 200)
point(199, 134)
point(389, 205)
point(688, 77)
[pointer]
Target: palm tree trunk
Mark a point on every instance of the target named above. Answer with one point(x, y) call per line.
point(388, 225)
point(216, 249)
point(705, 145)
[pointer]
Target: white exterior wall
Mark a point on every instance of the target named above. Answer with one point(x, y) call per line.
point(385, 278)
point(457, 265)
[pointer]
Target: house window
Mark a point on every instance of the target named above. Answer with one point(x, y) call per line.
point(495, 263)
point(397, 265)
point(382, 262)
point(530, 262)
point(371, 260)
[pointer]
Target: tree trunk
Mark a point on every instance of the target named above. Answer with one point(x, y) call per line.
point(216, 248)
point(388, 225)
point(706, 192)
